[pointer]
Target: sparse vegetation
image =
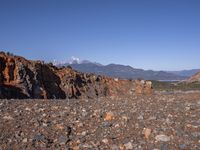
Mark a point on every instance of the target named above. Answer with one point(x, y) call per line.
point(171, 86)
point(9, 54)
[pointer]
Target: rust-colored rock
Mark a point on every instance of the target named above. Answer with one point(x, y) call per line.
point(21, 78)
point(147, 132)
point(109, 116)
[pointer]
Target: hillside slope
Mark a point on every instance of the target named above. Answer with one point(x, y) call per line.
point(194, 78)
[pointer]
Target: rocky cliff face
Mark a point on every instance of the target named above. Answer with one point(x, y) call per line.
point(194, 78)
point(21, 78)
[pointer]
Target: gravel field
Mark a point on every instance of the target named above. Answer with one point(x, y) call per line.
point(158, 122)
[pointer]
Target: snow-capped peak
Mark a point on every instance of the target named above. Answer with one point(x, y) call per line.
point(74, 60)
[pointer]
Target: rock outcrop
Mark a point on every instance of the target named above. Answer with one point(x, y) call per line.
point(22, 78)
point(194, 78)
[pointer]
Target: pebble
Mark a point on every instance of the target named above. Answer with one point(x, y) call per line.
point(59, 127)
point(187, 108)
point(162, 138)
point(146, 132)
point(105, 141)
point(76, 148)
point(25, 140)
point(140, 117)
point(39, 137)
point(108, 116)
point(63, 140)
point(128, 146)
point(125, 118)
point(107, 124)
point(44, 124)
point(196, 135)
point(152, 118)
point(44, 115)
point(182, 146)
point(8, 118)
point(84, 133)
point(114, 147)
point(27, 109)
point(84, 112)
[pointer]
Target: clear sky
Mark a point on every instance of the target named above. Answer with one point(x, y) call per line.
point(148, 34)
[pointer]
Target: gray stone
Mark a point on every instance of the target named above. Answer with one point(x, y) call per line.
point(182, 146)
point(114, 147)
point(107, 124)
point(196, 135)
point(63, 140)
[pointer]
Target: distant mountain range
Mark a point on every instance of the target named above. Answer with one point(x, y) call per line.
point(186, 73)
point(125, 72)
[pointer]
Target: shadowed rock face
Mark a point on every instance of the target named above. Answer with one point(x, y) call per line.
point(21, 78)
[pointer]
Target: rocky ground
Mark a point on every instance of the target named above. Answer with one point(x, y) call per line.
point(157, 122)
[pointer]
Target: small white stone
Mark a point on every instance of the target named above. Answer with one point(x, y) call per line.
point(162, 138)
point(27, 109)
point(44, 124)
point(105, 141)
point(25, 140)
point(8, 118)
point(140, 117)
point(84, 133)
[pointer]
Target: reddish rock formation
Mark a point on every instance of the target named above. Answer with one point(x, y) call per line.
point(194, 78)
point(21, 78)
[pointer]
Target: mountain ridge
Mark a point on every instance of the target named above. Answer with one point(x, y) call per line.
point(187, 73)
point(123, 71)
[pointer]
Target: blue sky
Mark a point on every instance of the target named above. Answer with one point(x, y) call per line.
point(148, 34)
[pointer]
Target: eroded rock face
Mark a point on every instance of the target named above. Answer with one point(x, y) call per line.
point(194, 78)
point(21, 78)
